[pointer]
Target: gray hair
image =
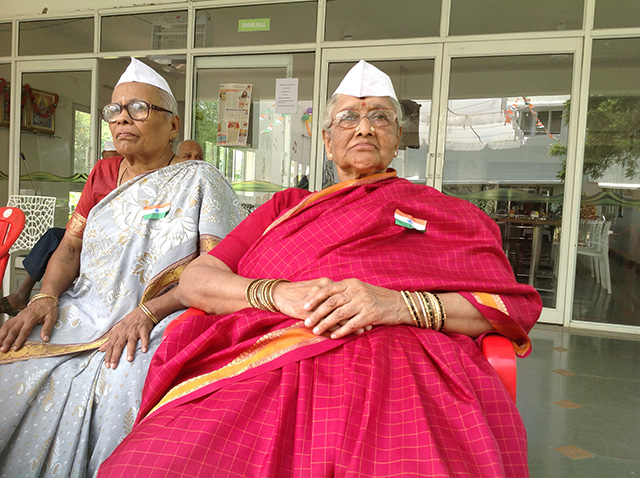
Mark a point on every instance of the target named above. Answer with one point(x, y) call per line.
point(331, 104)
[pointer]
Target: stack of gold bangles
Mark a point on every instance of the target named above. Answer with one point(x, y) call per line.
point(430, 314)
point(259, 294)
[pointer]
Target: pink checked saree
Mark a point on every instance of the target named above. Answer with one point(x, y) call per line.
point(256, 394)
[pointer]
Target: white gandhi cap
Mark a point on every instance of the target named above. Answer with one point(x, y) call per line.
point(364, 79)
point(140, 73)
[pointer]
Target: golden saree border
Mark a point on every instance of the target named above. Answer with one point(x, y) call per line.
point(32, 349)
point(374, 178)
point(266, 349)
point(167, 278)
point(208, 242)
point(494, 301)
point(171, 275)
point(76, 224)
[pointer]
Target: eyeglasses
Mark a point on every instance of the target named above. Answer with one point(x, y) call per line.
point(349, 119)
point(139, 110)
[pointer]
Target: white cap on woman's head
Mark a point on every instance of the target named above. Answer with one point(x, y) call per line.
point(141, 73)
point(364, 79)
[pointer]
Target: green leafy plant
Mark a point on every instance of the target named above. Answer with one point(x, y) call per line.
point(613, 136)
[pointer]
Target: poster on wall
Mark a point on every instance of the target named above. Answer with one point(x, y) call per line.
point(233, 114)
point(40, 110)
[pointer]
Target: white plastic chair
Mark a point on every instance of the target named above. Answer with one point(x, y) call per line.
point(593, 242)
point(39, 212)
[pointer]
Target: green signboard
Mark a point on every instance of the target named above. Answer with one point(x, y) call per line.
point(254, 25)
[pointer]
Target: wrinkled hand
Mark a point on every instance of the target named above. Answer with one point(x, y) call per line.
point(344, 307)
point(15, 331)
point(135, 326)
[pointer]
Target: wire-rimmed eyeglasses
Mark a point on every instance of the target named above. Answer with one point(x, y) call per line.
point(139, 110)
point(349, 119)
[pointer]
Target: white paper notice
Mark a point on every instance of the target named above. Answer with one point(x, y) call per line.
point(286, 95)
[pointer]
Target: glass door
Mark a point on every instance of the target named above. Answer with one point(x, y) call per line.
point(413, 73)
point(607, 270)
point(57, 132)
point(253, 116)
point(505, 150)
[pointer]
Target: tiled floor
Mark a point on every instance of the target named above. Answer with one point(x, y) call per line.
point(579, 397)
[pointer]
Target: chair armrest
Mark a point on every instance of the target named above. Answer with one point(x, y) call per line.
point(175, 322)
point(501, 355)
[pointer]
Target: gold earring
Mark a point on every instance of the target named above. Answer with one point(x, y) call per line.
point(395, 153)
point(330, 156)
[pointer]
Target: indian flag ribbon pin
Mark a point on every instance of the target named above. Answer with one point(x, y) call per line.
point(406, 220)
point(157, 211)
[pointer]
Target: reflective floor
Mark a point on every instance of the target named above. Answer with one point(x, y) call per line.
point(579, 397)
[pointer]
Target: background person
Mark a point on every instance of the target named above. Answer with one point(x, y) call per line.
point(108, 290)
point(190, 149)
point(364, 364)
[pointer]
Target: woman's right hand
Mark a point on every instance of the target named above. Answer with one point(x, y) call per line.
point(15, 331)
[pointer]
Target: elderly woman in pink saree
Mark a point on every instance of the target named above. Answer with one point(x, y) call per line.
point(340, 331)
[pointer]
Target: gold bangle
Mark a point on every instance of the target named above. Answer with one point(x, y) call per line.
point(415, 307)
point(272, 302)
point(148, 313)
point(43, 296)
point(435, 310)
point(249, 293)
point(425, 310)
point(407, 300)
point(443, 315)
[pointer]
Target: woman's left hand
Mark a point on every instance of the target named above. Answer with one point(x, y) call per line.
point(135, 326)
point(352, 306)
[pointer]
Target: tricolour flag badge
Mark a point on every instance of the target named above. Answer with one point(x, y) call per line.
point(156, 212)
point(405, 220)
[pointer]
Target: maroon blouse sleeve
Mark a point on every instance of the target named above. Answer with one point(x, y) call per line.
point(237, 242)
point(102, 180)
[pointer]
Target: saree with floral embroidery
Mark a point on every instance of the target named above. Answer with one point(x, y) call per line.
point(256, 394)
point(62, 411)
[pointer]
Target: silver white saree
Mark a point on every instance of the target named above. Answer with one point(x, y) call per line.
point(61, 411)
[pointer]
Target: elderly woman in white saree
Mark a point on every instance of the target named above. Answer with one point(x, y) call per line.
point(66, 397)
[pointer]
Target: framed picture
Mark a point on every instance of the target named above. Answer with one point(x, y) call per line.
point(5, 102)
point(40, 111)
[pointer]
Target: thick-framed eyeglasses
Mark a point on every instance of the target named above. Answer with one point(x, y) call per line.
point(349, 119)
point(139, 110)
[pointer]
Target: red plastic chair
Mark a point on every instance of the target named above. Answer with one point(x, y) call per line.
point(11, 226)
point(497, 349)
point(501, 355)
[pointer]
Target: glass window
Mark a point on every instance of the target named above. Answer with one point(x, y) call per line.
point(146, 31)
point(51, 37)
point(5, 39)
point(502, 155)
point(607, 287)
point(257, 25)
point(47, 141)
point(617, 14)
point(413, 83)
point(258, 148)
point(469, 17)
point(378, 19)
